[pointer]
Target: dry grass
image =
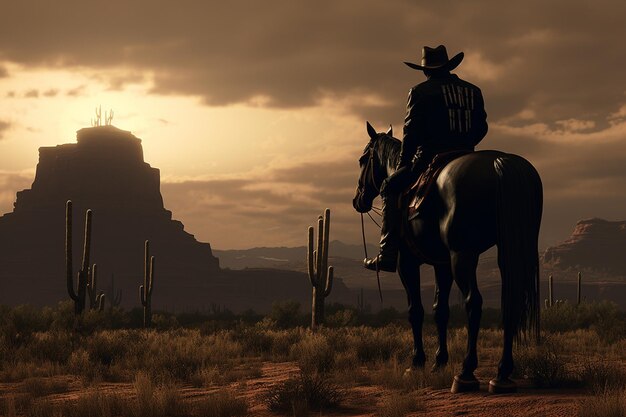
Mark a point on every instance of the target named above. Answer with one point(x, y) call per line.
point(401, 404)
point(609, 403)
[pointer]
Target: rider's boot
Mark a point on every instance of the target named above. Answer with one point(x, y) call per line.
point(387, 259)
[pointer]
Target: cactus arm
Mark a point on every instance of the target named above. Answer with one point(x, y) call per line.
point(141, 296)
point(311, 257)
point(329, 281)
point(146, 267)
point(325, 242)
point(320, 250)
point(87, 241)
point(151, 277)
point(100, 300)
point(68, 251)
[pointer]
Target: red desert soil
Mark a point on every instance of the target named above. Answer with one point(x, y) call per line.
point(367, 400)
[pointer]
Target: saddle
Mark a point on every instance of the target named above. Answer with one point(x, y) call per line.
point(417, 193)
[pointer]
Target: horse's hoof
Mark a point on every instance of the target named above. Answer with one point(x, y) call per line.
point(502, 386)
point(461, 384)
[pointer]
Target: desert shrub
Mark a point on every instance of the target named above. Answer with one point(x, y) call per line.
point(602, 376)
point(543, 364)
point(286, 314)
point(223, 403)
point(608, 403)
point(163, 321)
point(342, 318)
point(401, 404)
point(313, 354)
point(283, 340)
point(254, 340)
point(55, 346)
point(300, 394)
point(603, 316)
point(374, 345)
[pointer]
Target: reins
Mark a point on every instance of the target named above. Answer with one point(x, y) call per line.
point(370, 162)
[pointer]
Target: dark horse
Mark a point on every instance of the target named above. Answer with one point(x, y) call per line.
point(479, 200)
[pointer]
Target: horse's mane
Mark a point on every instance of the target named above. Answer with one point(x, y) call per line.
point(389, 149)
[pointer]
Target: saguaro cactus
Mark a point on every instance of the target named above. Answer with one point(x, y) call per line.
point(145, 290)
point(96, 300)
point(320, 274)
point(114, 297)
point(579, 288)
point(78, 295)
point(550, 291)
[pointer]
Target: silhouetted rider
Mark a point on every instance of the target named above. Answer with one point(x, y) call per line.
point(444, 113)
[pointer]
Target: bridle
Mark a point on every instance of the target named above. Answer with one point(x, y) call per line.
point(361, 191)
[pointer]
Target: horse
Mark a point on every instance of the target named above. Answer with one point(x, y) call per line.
point(480, 199)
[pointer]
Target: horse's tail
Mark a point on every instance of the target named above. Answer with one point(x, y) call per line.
point(519, 209)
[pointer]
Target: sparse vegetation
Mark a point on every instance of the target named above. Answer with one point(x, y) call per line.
point(50, 352)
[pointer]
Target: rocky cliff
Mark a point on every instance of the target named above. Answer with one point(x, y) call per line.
point(105, 171)
point(595, 244)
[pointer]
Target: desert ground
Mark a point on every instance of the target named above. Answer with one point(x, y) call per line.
point(101, 364)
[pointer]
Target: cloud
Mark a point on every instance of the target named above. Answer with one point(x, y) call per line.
point(76, 91)
point(4, 127)
point(526, 55)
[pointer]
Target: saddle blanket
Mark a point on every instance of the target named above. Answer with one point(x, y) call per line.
point(416, 195)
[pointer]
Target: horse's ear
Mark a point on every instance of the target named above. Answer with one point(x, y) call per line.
point(371, 131)
point(390, 131)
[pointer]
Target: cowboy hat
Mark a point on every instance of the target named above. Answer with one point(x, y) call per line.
point(437, 58)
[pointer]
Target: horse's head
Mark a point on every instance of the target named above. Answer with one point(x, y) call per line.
point(372, 172)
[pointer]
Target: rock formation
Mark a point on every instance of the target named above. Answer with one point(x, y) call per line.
point(595, 244)
point(103, 171)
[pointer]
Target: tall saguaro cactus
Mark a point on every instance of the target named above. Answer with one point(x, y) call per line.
point(579, 288)
point(96, 300)
point(320, 274)
point(78, 295)
point(145, 290)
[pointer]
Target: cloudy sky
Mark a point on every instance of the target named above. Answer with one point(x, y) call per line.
point(254, 111)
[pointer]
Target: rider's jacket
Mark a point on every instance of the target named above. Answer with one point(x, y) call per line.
point(444, 113)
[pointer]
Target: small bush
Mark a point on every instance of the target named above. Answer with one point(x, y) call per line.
point(221, 404)
point(306, 392)
point(286, 314)
point(313, 354)
point(542, 364)
point(603, 376)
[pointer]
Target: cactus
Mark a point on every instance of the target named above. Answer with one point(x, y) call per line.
point(579, 289)
point(145, 290)
point(78, 295)
point(115, 298)
point(321, 278)
point(360, 303)
point(550, 291)
point(108, 117)
point(96, 300)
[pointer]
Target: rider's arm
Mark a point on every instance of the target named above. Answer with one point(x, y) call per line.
point(411, 130)
point(479, 120)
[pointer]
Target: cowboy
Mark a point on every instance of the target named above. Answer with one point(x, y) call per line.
point(444, 113)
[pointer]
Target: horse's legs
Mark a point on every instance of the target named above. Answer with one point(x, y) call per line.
point(502, 384)
point(409, 272)
point(441, 308)
point(464, 270)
